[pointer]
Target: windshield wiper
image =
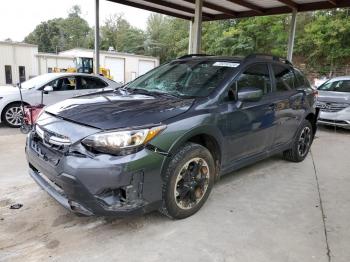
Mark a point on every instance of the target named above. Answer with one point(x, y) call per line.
point(149, 92)
point(153, 92)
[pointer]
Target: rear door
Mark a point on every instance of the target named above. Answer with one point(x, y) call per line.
point(288, 104)
point(249, 129)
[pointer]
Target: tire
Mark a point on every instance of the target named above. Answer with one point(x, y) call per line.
point(301, 144)
point(12, 114)
point(191, 170)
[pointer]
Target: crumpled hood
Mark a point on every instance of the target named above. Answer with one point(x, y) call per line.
point(112, 111)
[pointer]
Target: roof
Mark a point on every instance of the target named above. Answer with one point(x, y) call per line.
point(255, 57)
point(227, 9)
point(17, 43)
point(67, 74)
point(84, 52)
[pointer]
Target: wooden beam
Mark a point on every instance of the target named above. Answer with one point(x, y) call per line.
point(248, 5)
point(215, 7)
point(152, 9)
point(178, 7)
point(291, 4)
point(231, 14)
point(285, 9)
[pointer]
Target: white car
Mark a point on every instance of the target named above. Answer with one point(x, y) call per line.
point(60, 85)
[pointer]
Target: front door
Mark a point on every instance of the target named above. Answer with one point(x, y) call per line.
point(63, 88)
point(249, 129)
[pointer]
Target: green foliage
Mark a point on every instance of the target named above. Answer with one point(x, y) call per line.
point(166, 37)
point(118, 34)
point(326, 39)
point(61, 34)
point(47, 35)
point(322, 37)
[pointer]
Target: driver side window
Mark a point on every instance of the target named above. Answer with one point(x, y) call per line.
point(63, 84)
point(254, 76)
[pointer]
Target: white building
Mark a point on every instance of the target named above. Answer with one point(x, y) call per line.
point(21, 61)
point(17, 60)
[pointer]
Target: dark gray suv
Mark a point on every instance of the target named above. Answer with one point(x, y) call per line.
point(161, 141)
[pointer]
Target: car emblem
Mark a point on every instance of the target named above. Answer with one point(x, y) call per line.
point(324, 105)
point(328, 106)
point(47, 137)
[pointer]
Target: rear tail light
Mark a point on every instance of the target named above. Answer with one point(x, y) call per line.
point(315, 92)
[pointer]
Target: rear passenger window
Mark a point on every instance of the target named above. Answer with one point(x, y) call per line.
point(255, 76)
point(284, 78)
point(91, 83)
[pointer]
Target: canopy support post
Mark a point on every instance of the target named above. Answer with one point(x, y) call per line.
point(291, 38)
point(196, 29)
point(97, 37)
point(190, 36)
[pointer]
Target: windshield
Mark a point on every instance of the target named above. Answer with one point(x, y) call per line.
point(37, 81)
point(194, 78)
point(337, 86)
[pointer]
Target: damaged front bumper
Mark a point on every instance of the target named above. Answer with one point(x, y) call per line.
point(102, 185)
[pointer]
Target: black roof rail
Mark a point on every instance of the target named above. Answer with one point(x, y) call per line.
point(271, 57)
point(192, 55)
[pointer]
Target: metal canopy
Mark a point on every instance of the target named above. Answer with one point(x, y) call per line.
point(226, 9)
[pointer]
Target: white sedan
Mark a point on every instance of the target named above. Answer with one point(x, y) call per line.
point(58, 86)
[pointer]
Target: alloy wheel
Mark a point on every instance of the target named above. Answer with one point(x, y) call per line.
point(191, 183)
point(13, 115)
point(304, 141)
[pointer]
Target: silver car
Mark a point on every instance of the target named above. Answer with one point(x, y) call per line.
point(63, 86)
point(334, 102)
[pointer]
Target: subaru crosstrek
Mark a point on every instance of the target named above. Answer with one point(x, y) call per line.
point(161, 141)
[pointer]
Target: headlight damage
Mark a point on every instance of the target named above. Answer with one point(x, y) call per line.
point(121, 142)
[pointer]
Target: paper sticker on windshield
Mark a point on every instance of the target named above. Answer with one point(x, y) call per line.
point(226, 64)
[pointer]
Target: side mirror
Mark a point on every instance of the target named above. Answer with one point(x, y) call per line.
point(250, 94)
point(48, 89)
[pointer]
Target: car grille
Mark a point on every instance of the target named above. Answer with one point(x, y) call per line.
point(331, 107)
point(342, 122)
point(51, 139)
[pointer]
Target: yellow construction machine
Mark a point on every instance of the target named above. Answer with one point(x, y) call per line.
point(84, 65)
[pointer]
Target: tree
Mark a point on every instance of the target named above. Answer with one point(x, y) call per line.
point(74, 29)
point(61, 34)
point(46, 35)
point(325, 42)
point(119, 34)
point(167, 37)
point(322, 37)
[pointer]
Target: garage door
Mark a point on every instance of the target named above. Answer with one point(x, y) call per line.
point(145, 66)
point(117, 67)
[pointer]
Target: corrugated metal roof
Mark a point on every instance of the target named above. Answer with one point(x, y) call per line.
point(226, 9)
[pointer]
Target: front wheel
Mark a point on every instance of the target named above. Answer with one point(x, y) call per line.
point(12, 115)
point(188, 181)
point(301, 144)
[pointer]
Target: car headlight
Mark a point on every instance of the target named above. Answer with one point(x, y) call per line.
point(121, 142)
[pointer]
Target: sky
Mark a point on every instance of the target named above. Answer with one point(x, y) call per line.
point(19, 17)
